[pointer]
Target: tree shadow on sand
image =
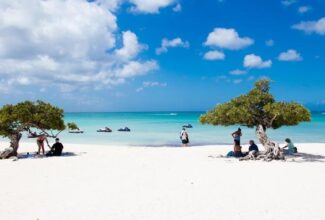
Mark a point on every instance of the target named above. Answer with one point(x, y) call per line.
point(35, 156)
point(304, 157)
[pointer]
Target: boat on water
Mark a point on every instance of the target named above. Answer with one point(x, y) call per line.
point(77, 131)
point(124, 129)
point(187, 126)
point(106, 129)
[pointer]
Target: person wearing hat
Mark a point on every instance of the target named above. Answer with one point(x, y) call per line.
point(56, 149)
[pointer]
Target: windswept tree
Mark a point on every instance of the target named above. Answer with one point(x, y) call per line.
point(258, 109)
point(15, 119)
point(72, 126)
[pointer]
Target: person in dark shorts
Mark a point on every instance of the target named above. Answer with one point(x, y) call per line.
point(184, 137)
point(56, 149)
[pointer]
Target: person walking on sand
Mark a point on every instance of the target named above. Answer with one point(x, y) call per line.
point(40, 143)
point(184, 137)
point(236, 135)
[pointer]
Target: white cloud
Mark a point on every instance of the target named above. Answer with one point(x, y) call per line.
point(177, 8)
point(150, 84)
point(138, 6)
point(214, 55)
point(149, 6)
point(227, 39)
point(290, 55)
point(311, 26)
point(254, 61)
point(176, 42)
point(269, 43)
point(288, 2)
point(68, 44)
point(238, 72)
point(304, 9)
point(131, 47)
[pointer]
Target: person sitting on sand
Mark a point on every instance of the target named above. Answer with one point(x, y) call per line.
point(252, 149)
point(40, 143)
point(184, 137)
point(236, 135)
point(56, 149)
point(291, 147)
point(237, 152)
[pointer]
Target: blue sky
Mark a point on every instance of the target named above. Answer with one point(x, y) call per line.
point(110, 56)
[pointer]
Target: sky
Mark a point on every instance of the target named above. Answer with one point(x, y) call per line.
point(160, 55)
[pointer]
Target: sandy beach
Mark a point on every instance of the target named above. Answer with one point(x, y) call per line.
point(110, 182)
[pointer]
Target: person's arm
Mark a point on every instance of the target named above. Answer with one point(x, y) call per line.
point(47, 142)
point(285, 146)
point(233, 134)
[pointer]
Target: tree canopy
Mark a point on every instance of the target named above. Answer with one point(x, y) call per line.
point(257, 107)
point(25, 115)
point(72, 126)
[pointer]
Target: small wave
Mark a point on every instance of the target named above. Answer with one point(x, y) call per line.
point(166, 114)
point(323, 113)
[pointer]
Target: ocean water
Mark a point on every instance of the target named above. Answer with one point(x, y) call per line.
point(163, 128)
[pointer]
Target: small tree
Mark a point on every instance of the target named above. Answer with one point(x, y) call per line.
point(257, 109)
point(15, 119)
point(72, 126)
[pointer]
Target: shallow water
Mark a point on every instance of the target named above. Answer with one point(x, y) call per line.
point(162, 128)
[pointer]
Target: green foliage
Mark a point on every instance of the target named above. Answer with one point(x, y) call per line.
point(25, 115)
point(258, 107)
point(72, 126)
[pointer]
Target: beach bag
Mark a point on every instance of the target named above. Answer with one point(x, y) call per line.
point(295, 150)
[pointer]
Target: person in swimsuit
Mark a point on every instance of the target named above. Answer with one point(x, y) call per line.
point(40, 143)
point(236, 135)
point(184, 137)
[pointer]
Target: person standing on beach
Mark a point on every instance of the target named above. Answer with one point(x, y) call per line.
point(184, 137)
point(236, 135)
point(40, 143)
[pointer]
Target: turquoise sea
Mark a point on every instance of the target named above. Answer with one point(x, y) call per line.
point(163, 128)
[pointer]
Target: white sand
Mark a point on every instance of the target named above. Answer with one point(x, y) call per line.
point(106, 182)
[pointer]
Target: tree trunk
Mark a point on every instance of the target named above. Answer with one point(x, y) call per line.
point(272, 149)
point(14, 145)
point(263, 138)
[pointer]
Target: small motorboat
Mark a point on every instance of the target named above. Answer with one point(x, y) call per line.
point(76, 131)
point(124, 129)
point(187, 126)
point(106, 129)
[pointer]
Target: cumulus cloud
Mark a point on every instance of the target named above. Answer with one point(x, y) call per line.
point(149, 6)
point(238, 72)
point(304, 9)
point(214, 55)
point(176, 42)
point(68, 44)
point(227, 39)
point(254, 61)
point(290, 55)
point(131, 46)
point(310, 27)
point(288, 2)
point(150, 84)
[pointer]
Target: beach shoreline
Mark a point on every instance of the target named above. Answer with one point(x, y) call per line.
point(114, 182)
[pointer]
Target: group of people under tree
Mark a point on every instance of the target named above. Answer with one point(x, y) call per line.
point(253, 150)
point(55, 150)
